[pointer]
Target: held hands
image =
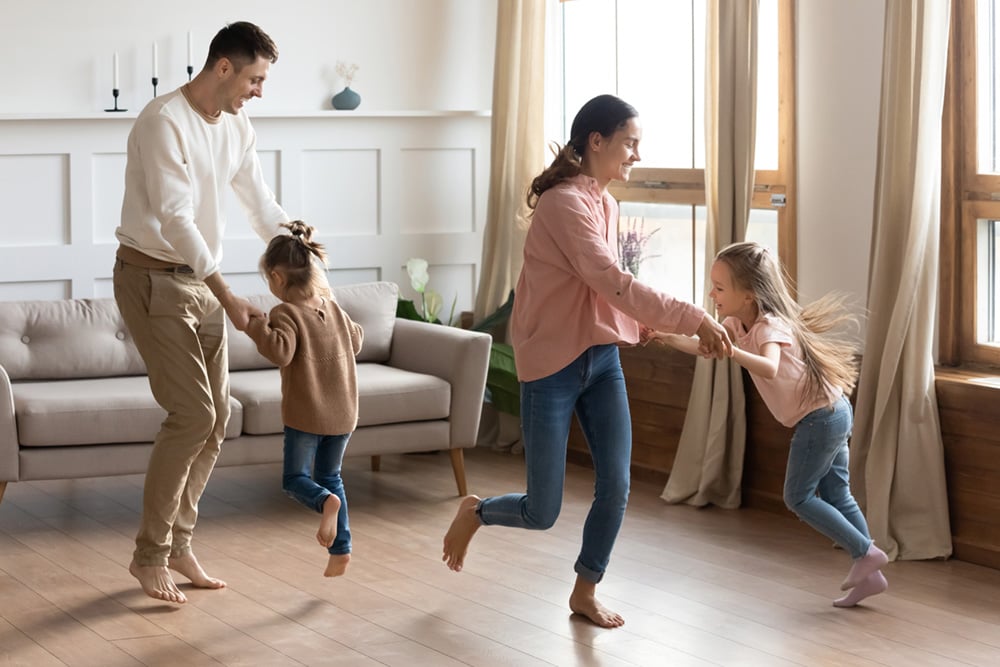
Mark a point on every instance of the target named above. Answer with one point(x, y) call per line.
point(239, 310)
point(714, 339)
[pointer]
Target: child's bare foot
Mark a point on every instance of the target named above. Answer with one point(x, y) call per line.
point(463, 527)
point(874, 559)
point(337, 565)
point(189, 566)
point(327, 532)
point(156, 582)
point(873, 584)
point(583, 601)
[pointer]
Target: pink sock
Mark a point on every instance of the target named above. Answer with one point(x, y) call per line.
point(873, 584)
point(872, 561)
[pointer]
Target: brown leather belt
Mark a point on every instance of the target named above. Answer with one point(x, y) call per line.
point(135, 257)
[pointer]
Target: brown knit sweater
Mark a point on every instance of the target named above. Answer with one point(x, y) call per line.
point(315, 350)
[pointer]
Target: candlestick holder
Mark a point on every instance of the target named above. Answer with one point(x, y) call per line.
point(190, 70)
point(114, 92)
point(155, 81)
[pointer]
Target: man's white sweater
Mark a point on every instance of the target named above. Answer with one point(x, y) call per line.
point(180, 163)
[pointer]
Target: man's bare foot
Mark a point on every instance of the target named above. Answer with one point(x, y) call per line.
point(156, 582)
point(583, 601)
point(189, 566)
point(337, 565)
point(327, 532)
point(463, 527)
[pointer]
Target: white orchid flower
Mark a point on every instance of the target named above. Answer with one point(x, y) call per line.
point(416, 268)
point(432, 305)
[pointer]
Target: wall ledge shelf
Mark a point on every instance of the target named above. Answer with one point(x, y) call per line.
point(263, 115)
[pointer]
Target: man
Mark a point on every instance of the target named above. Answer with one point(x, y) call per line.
point(185, 148)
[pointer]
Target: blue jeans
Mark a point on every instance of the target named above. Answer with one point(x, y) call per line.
point(312, 474)
point(593, 386)
point(817, 464)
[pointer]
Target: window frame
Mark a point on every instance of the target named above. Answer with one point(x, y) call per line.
point(966, 197)
point(687, 186)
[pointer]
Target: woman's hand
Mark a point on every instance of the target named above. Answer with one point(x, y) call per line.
point(714, 339)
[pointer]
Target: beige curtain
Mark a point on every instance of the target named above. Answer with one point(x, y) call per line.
point(708, 467)
point(897, 460)
point(517, 155)
point(517, 145)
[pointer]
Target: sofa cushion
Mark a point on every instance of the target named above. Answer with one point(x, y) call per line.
point(386, 396)
point(372, 305)
point(96, 411)
point(81, 338)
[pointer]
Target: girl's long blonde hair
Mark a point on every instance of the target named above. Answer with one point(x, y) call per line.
point(829, 361)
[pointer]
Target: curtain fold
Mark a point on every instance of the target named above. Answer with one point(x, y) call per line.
point(516, 146)
point(897, 456)
point(517, 155)
point(708, 467)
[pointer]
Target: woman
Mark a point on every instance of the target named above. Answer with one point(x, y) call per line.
point(574, 305)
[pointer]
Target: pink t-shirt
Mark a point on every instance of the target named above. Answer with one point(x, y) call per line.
point(572, 293)
point(783, 394)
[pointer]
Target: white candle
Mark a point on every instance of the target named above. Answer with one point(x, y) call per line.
point(155, 59)
point(190, 51)
point(114, 70)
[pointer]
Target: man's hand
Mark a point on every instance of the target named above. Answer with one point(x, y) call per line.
point(239, 310)
point(714, 340)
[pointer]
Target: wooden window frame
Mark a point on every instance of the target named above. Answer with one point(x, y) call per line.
point(966, 197)
point(687, 186)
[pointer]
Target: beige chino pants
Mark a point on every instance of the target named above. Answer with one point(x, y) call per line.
point(179, 329)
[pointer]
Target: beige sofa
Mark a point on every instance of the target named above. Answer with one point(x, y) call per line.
point(74, 400)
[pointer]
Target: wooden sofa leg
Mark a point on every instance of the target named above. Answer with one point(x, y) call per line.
point(376, 463)
point(3, 487)
point(458, 465)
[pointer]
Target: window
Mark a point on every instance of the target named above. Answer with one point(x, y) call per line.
point(970, 217)
point(654, 58)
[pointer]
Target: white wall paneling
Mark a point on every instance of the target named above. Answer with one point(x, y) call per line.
point(379, 187)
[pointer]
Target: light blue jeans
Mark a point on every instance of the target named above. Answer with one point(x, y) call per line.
point(817, 482)
point(312, 473)
point(593, 387)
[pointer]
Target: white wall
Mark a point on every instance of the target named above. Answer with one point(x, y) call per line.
point(413, 54)
point(839, 45)
point(437, 54)
point(401, 176)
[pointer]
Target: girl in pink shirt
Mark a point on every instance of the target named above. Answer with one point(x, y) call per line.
point(802, 377)
point(574, 305)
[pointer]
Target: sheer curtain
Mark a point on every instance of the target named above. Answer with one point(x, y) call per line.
point(708, 467)
point(516, 146)
point(897, 457)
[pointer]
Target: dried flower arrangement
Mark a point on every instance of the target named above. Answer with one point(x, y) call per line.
point(346, 71)
point(632, 241)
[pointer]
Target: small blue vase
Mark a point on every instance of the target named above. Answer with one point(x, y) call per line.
point(346, 100)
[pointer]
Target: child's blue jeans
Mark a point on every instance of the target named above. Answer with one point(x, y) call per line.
point(593, 387)
point(312, 473)
point(818, 464)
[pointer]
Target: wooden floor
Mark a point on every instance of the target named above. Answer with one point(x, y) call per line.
point(697, 587)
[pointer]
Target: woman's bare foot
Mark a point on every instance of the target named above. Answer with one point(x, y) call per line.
point(189, 566)
point(337, 565)
point(156, 582)
point(327, 532)
point(463, 527)
point(583, 601)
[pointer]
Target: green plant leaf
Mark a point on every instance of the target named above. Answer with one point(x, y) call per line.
point(407, 311)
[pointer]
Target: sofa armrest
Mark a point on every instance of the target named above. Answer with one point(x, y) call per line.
point(459, 356)
point(9, 445)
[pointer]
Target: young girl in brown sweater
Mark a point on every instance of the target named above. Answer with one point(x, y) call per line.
point(314, 343)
